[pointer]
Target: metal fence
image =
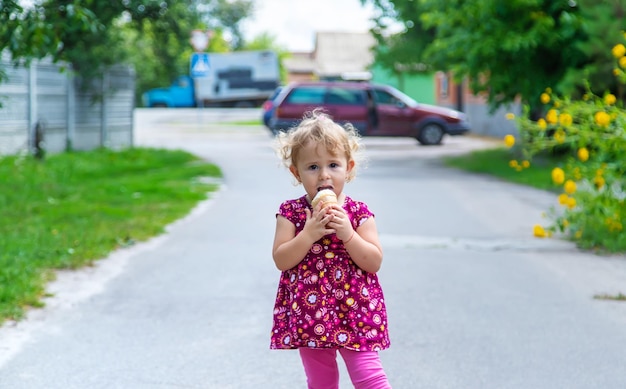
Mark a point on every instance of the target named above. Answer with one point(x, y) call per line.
point(45, 104)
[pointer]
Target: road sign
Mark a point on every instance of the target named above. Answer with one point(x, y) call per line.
point(199, 65)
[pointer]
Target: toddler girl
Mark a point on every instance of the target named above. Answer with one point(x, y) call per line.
point(329, 298)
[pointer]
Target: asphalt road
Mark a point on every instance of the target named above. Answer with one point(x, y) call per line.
point(474, 300)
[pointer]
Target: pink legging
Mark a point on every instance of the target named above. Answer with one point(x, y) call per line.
point(365, 369)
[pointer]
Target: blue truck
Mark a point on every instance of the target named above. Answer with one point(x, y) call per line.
point(235, 79)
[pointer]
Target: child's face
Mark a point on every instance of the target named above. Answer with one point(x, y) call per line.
point(318, 169)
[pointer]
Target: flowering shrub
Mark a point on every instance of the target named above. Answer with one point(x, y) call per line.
point(592, 133)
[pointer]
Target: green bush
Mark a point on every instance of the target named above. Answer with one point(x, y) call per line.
point(591, 132)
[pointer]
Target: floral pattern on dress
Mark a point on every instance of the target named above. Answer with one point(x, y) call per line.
point(327, 301)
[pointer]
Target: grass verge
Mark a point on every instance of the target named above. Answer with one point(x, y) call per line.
point(613, 297)
point(253, 122)
point(74, 208)
point(495, 162)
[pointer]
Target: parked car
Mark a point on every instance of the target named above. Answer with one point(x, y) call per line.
point(268, 107)
point(374, 109)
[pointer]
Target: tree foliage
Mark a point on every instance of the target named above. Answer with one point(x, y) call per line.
point(91, 35)
point(603, 22)
point(404, 52)
point(226, 15)
point(507, 49)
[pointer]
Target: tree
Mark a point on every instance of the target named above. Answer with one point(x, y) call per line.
point(507, 49)
point(226, 15)
point(160, 49)
point(91, 35)
point(26, 33)
point(70, 31)
point(604, 23)
point(403, 52)
point(8, 25)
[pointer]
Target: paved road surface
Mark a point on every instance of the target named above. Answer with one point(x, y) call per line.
point(474, 301)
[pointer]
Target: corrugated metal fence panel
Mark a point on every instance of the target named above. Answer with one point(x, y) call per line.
point(88, 116)
point(52, 104)
point(55, 91)
point(14, 110)
point(121, 84)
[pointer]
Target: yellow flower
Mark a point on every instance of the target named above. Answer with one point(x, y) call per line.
point(565, 223)
point(583, 154)
point(599, 182)
point(586, 96)
point(571, 202)
point(545, 98)
point(563, 199)
point(509, 116)
point(618, 50)
point(513, 163)
point(565, 119)
point(558, 175)
point(569, 187)
point(622, 62)
point(525, 164)
point(616, 72)
point(610, 99)
point(539, 231)
point(602, 118)
point(552, 116)
point(578, 234)
point(542, 123)
point(509, 140)
point(548, 90)
point(559, 136)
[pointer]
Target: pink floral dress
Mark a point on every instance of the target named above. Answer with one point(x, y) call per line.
point(326, 301)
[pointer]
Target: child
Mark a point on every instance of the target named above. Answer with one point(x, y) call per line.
point(328, 296)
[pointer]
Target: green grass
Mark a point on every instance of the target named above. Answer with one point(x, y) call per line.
point(613, 297)
point(253, 122)
point(74, 208)
point(495, 162)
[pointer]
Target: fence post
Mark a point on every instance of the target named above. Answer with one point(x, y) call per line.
point(103, 111)
point(131, 133)
point(70, 115)
point(32, 106)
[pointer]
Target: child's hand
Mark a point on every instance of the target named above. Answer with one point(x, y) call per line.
point(316, 225)
point(340, 222)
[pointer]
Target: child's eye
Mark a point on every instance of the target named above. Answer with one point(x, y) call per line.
point(313, 167)
point(334, 165)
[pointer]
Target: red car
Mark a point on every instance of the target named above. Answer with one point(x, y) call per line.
point(374, 109)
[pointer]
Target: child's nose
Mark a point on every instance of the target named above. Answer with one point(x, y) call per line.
point(324, 173)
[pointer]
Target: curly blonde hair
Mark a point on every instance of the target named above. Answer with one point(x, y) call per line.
point(316, 126)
